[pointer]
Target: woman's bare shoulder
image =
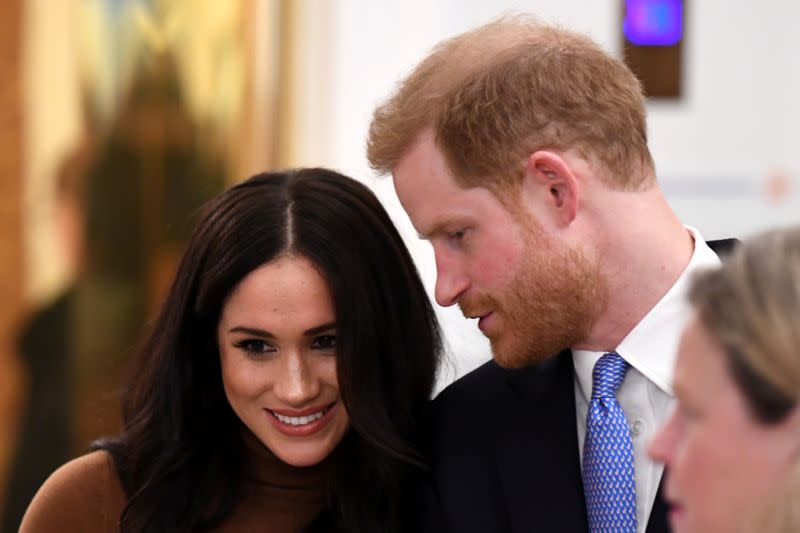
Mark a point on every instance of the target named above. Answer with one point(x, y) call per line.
point(83, 495)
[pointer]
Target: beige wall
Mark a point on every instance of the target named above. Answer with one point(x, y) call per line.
point(306, 89)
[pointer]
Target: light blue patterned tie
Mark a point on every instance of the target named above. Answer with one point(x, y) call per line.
point(608, 475)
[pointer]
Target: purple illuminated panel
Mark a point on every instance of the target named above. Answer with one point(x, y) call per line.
point(653, 22)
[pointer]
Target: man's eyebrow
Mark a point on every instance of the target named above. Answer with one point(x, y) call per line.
point(443, 225)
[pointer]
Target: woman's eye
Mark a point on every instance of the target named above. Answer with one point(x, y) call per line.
point(457, 235)
point(688, 413)
point(326, 342)
point(255, 346)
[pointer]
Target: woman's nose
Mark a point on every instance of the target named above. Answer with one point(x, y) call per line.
point(296, 385)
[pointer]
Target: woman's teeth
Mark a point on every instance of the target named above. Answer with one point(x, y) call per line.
point(299, 420)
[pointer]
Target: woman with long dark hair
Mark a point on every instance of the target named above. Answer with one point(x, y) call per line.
point(283, 385)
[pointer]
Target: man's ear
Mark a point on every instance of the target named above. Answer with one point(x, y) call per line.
point(552, 183)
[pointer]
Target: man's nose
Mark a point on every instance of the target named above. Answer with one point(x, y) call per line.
point(451, 281)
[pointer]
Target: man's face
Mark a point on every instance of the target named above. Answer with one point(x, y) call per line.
point(532, 295)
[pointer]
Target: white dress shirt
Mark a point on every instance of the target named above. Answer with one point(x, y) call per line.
point(646, 393)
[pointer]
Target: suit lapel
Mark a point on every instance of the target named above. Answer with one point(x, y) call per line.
point(537, 455)
point(723, 247)
point(658, 515)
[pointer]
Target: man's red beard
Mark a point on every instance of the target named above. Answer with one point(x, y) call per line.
point(551, 303)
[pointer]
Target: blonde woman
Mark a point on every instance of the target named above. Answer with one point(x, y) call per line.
point(732, 445)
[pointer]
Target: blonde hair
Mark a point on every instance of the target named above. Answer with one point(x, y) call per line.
point(496, 94)
point(751, 306)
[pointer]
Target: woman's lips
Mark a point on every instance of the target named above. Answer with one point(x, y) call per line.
point(301, 423)
point(675, 513)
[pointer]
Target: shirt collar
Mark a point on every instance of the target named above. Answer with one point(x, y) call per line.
point(651, 347)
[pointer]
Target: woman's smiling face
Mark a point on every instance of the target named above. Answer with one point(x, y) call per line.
point(277, 346)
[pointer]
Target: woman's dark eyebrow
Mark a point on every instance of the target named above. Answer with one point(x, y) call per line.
point(320, 329)
point(252, 331)
point(256, 332)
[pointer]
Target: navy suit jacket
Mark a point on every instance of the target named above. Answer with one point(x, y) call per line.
point(504, 450)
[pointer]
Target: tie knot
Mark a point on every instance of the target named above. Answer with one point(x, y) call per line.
point(607, 376)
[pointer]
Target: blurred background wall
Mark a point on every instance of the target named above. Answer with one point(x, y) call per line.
point(120, 117)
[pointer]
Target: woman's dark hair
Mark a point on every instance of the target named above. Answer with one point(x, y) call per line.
point(179, 455)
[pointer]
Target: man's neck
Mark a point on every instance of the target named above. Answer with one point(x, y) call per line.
point(644, 252)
